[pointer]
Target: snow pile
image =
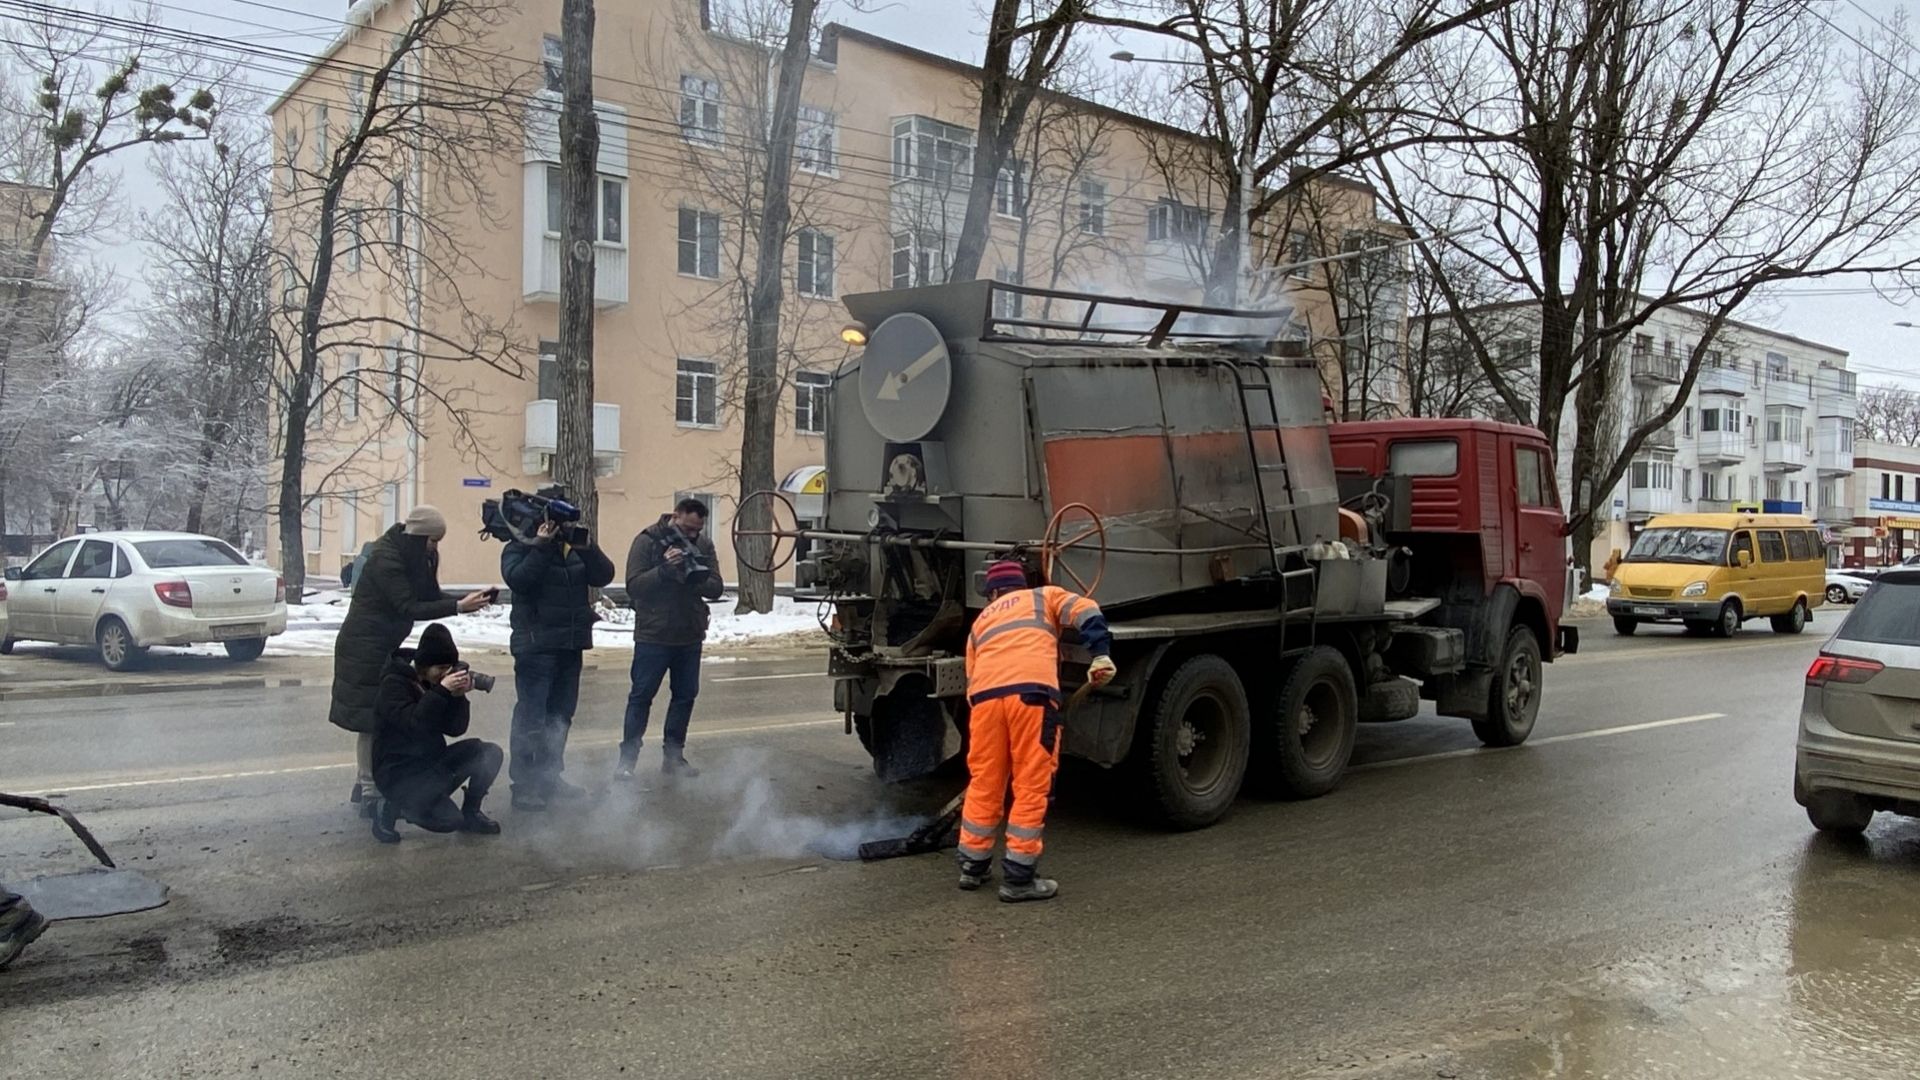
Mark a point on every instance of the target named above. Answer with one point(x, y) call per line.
point(1598, 594)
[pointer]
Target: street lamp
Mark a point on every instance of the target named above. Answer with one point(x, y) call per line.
point(1244, 241)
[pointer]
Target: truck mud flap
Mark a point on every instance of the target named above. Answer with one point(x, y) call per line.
point(1569, 640)
point(1463, 695)
point(912, 736)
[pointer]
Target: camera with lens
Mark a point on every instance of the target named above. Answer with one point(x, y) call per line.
point(516, 515)
point(482, 681)
point(692, 566)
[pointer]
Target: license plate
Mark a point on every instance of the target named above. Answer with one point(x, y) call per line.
point(1648, 609)
point(241, 630)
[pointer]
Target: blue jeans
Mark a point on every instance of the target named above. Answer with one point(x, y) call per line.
point(548, 689)
point(651, 665)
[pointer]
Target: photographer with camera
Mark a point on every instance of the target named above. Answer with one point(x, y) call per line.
point(550, 572)
point(671, 576)
point(423, 700)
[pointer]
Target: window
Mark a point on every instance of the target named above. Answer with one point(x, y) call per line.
point(1007, 304)
point(1093, 207)
point(51, 562)
point(1642, 346)
point(1686, 484)
point(349, 524)
point(357, 97)
point(394, 395)
point(814, 266)
point(700, 110)
point(1742, 541)
point(1652, 475)
point(1753, 489)
point(1845, 435)
point(696, 397)
point(1774, 491)
point(1427, 457)
point(1170, 220)
point(1773, 548)
point(699, 243)
point(1706, 485)
point(390, 505)
point(1778, 369)
point(350, 240)
point(612, 210)
point(1299, 252)
point(919, 258)
point(553, 61)
point(1010, 190)
point(556, 200)
point(926, 149)
point(320, 137)
point(1886, 485)
point(549, 378)
point(176, 554)
point(397, 210)
point(1709, 420)
point(311, 525)
point(1900, 488)
point(1530, 476)
point(1800, 545)
point(1686, 421)
point(95, 561)
point(815, 142)
point(1783, 423)
point(350, 387)
point(1793, 491)
point(810, 389)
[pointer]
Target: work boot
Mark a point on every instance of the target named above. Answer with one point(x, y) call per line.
point(1019, 892)
point(18, 927)
point(674, 763)
point(623, 771)
point(527, 802)
point(384, 819)
point(973, 875)
point(559, 790)
point(477, 821)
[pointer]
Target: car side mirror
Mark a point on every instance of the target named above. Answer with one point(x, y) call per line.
point(1743, 558)
point(13, 573)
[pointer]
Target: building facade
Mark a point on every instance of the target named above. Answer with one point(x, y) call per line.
point(881, 174)
point(1885, 489)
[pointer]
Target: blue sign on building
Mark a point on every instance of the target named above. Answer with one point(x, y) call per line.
point(476, 481)
point(1781, 506)
point(1894, 506)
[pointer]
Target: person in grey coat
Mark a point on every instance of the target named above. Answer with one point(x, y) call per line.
point(398, 587)
point(672, 574)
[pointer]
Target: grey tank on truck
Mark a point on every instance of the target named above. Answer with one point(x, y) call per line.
point(1271, 579)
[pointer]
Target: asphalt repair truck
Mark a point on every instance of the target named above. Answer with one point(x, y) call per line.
point(1271, 579)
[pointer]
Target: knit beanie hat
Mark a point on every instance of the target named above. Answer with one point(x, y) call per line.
point(425, 521)
point(1006, 574)
point(436, 647)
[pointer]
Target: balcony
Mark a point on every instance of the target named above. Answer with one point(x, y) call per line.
point(1660, 438)
point(1828, 457)
point(1722, 447)
point(543, 437)
point(1650, 500)
point(543, 273)
point(1715, 506)
point(1723, 379)
point(1649, 368)
point(1785, 455)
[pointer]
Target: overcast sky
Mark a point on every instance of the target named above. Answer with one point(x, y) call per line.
point(1839, 312)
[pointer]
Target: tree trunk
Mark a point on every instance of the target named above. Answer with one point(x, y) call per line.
point(762, 399)
point(197, 499)
point(580, 156)
point(291, 485)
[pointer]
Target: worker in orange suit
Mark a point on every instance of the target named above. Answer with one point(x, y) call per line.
point(1013, 688)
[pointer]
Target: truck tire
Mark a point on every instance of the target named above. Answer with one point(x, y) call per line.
point(1625, 625)
point(1513, 698)
point(1305, 748)
point(1193, 756)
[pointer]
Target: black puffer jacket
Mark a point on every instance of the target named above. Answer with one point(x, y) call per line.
point(668, 608)
point(552, 610)
point(399, 586)
point(415, 722)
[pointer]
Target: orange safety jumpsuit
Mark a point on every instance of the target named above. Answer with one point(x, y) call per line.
point(1013, 689)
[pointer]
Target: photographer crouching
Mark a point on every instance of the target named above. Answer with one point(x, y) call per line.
point(550, 564)
point(671, 575)
point(423, 701)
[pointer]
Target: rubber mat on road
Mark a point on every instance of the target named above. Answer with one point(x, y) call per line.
point(92, 894)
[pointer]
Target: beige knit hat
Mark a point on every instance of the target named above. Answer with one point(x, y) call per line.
point(426, 521)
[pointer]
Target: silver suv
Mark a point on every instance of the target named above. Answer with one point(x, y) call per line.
point(1859, 747)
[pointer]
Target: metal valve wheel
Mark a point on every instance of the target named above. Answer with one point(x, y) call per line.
point(776, 531)
point(1052, 547)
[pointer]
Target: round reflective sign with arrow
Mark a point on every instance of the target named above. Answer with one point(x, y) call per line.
point(906, 377)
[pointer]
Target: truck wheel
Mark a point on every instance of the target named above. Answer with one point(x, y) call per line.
point(1513, 698)
point(117, 649)
point(1625, 625)
point(1728, 624)
point(1305, 750)
point(1793, 621)
point(246, 649)
point(1197, 739)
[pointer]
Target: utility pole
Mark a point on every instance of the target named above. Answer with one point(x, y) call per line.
point(579, 159)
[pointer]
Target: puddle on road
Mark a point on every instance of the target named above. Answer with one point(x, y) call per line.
point(1824, 987)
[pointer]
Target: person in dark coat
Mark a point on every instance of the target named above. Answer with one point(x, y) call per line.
point(669, 598)
point(423, 702)
point(553, 619)
point(398, 586)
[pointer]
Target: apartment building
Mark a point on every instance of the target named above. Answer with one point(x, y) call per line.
point(1769, 424)
point(881, 174)
point(1885, 489)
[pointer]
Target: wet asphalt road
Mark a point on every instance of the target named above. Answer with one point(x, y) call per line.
point(1632, 894)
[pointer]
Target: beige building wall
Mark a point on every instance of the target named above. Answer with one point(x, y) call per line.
point(653, 316)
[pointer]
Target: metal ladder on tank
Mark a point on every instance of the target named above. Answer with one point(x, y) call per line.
point(1263, 386)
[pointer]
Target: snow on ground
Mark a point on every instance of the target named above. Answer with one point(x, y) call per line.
point(1597, 593)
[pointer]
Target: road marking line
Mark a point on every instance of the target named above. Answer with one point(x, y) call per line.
point(295, 770)
point(821, 675)
point(1475, 751)
point(7, 723)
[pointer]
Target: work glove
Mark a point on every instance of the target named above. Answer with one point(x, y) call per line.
point(1101, 671)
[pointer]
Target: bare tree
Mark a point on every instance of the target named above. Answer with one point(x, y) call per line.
point(580, 157)
point(1889, 414)
point(374, 217)
point(1622, 158)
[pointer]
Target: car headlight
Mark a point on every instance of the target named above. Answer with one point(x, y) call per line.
point(1616, 589)
point(1698, 588)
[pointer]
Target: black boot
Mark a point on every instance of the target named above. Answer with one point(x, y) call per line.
point(384, 819)
point(18, 927)
point(1023, 884)
point(975, 873)
point(473, 819)
point(674, 763)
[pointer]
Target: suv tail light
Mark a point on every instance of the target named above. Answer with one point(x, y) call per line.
point(3, 592)
point(280, 588)
point(174, 593)
point(1841, 669)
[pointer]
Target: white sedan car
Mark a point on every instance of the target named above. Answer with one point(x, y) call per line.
point(1846, 588)
point(124, 592)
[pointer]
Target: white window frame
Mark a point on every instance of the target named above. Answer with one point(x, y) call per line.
point(320, 137)
point(691, 375)
point(397, 214)
point(1784, 424)
point(357, 97)
point(350, 387)
point(553, 63)
point(816, 142)
point(1093, 207)
point(703, 242)
point(1171, 221)
point(925, 149)
point(702, 111)
point(352, 224)
point(926, 254)
point(1010, 189)
point(546, 367)
point(390, 506)
point(810, 392)
point(556, 183)
point(813, 274)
